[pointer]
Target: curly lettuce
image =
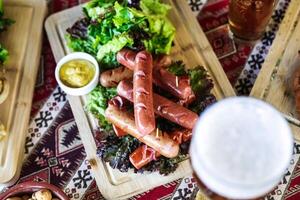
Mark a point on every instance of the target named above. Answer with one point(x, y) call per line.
point(113, 25)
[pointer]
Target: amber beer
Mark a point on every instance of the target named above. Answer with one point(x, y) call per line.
point(240, 149)
point(249, 18)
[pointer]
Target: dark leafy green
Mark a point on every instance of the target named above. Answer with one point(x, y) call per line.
point(177, 68)
point(200, 82)
point(116, 151)
point(202, 103)
point(98, 102)
point(164, 165)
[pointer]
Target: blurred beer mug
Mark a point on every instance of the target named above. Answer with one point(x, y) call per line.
point(241, 148)
point(249, 18)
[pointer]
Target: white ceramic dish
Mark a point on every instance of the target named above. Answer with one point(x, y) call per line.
point(82, 90)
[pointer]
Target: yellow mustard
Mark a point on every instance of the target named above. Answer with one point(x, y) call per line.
point(77, 73)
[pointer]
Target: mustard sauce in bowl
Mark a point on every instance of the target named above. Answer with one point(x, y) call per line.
point(77, 73)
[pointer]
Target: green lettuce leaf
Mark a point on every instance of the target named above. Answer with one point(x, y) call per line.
point(97, 8)
point(115, 45)
point(154, 7)
point(161, 29)
point(97, 103)
point(81, 45)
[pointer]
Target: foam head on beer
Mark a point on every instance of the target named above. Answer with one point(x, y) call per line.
point(241, 148)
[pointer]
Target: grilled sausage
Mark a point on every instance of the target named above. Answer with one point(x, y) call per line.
point(143, 94)
point(112, 77)
point(177, 86)
point(161, 142)
point(163, 107)
point(144, 154)
point(119, 132)
point(126, 57)
point(119, 102)
point(181, 136)
point(162, 61)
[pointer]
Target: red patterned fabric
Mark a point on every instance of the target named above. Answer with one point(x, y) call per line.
point(54, 152)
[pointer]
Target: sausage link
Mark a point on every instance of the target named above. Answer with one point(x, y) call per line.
point(143, 93)
point(163, 107)
point(162, 143)
point(119, 132)
point(177, 86)
point(119, 102)
point(181, 136)
point(144, 154)
point(127, 57)
point(162, 61)
point(112, 77)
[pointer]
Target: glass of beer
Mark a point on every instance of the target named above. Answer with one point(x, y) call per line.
point(241, 148)
point(249, 18)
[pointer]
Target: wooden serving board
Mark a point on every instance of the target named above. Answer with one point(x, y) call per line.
point(23, 41)
point(272, 84)
point(191, 46)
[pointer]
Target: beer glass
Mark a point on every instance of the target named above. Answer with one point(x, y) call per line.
point(241, 148)
point(249, 18)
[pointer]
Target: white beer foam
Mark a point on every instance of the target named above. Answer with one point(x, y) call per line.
point(241, 147)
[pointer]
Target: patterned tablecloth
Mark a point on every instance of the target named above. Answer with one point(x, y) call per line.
point(54, 151)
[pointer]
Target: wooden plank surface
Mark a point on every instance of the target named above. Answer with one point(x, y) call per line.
point(191, 46)
point(23, 41)
point(272, 84)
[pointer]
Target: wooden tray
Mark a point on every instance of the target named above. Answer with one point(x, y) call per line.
point(191, 46)
point(23, 41)
point(271, 85)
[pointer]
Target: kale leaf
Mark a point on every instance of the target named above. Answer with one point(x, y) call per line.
point(177, 68)
point(116, 151)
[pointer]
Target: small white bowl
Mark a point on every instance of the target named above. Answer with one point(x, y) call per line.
point(82, 90)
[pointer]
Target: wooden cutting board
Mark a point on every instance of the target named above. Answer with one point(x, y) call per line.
point(23, 41)
point(272, 84)
point(191, 46)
